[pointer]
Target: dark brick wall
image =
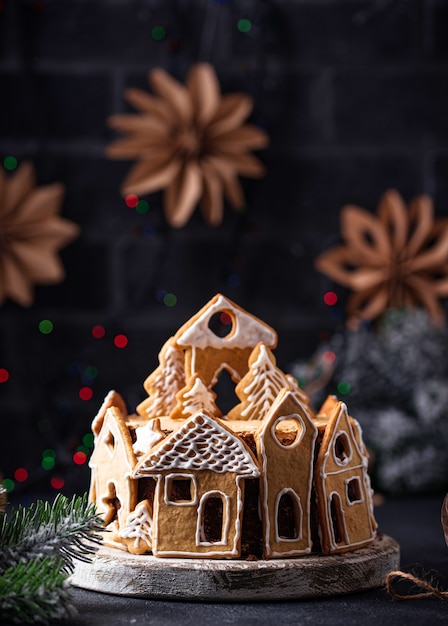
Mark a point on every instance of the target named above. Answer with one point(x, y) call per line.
point(354, 95)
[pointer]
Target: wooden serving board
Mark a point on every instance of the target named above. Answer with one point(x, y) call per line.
point(144, 576)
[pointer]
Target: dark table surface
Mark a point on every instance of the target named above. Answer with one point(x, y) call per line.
point(413, 522)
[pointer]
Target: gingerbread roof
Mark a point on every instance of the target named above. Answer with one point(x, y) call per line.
point(201, 443)
point(247, 329)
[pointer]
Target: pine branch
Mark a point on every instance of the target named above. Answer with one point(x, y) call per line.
point(37, 547)
point(35, 591)
point(65, 530)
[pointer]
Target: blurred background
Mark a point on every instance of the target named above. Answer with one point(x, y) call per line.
point(354, 97)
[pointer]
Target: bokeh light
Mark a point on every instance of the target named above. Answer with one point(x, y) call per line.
point(57, 482)
point(344, 387)
point(120, 341)
point(48, 459)
point(86, 393)
point(21, 474)
point(225, 318)
point(244, 25)
point(4, 375)
point(44, 425)
point(8, 484)
point(131, 200)
point(79, 458)
point(10, 163)
point(46, 327)
point(330, 298)
point(169, 299)
point(329, 357)
point(90, 373)
point(98, 331)
point(233, 280)
point(88, 440)
point(158, 33)
point(142, 207)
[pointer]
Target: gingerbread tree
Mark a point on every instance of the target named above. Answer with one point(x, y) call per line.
point(258, 389)
point(194, 397)
point(138, 530)
point(163, 384)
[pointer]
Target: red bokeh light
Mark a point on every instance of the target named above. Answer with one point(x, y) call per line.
point(98, 331)
point(131, 200)
point(57, 483)
point(21, 474)
point(225, 319)
point(86, 393)
point(4, 375)
point(79, 457)
point(120, 341)
point(330, 298)
point(329, 357)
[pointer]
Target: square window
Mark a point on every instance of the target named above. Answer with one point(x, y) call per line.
point(180, 489)
point(354, 492)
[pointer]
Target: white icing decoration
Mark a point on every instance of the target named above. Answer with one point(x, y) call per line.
point(267, 380)
point(166, 495)
point(200, 533)
point(147, 437)
point(342, 462)
point(347, 483)
point(110, 427)
point(298, 439)
point(295, 497)
point(201, 443)
point(247, 330)
point(233, 549)
point(345, 541)
point(138, 525)
point(107, 403)
point(199, 397)
point(169, 378)
point(264, 477)
point(362, 467)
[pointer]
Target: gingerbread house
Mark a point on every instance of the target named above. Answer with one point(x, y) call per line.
point(268, 479)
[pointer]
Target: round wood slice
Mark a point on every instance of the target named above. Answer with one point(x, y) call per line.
point(144, 576)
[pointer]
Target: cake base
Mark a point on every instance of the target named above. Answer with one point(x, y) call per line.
point(144, 576)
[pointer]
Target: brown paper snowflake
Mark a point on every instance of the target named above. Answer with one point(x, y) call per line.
point(190, 141)
point(396, 259)
point(31, 233)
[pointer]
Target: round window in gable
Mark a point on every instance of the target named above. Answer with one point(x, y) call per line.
point(222, 324)
point(288, 430)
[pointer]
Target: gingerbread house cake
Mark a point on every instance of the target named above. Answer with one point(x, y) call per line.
point(267, 478)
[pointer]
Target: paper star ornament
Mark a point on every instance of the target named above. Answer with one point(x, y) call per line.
point(397, 258)
point(31, 233)
point(190, 141)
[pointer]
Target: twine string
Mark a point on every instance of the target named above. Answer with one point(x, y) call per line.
point(430, 589)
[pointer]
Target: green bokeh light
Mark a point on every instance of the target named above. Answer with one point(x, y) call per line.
point(169, 299)
point(46, 327)
point(344, 387)
point(158, 33)
point(88, 440)
point(48, 462)
point(142, 207)
point(8, 484)
point(244, 25)
point(10, 163)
